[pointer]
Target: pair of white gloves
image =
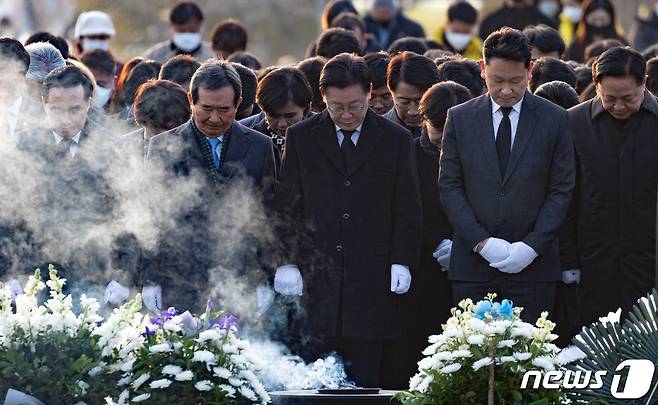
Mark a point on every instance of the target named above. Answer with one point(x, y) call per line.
point(442, 254)
point(288, 280)
point(510, 258)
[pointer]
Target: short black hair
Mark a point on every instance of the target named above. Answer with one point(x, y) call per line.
point(378, 66)
point(345, 70)
point(439, 98)
point(249, 83)
point(13, 52)
point(179, 69)
point(230, 36)
point(140, 74)
point(462, 11)
point(161, 104)
point(412, 44)
point(312, 68)
point(281, 86)
point(547, 69)
point(184, 12)
point(99, 59)
point(597, 48)
point(509, 44)
point(213, 75)
point(66, 77)
point(433, 45)
point(56, 41)
point(411, 68)
point(335, 41)
point(583, 77)
point(546, 39)
point(465, 72)
point(246, 59)
point(652, 75)
point(349, 21)
point(333, 8)
point(620, 62)
point(560, 93)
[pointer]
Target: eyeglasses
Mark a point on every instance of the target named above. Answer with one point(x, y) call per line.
point(340, 110)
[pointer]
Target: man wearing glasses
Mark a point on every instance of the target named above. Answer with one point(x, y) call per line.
point(409, 76)
point(351, 222)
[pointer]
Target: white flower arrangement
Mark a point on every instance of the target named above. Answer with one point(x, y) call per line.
point(481, 355)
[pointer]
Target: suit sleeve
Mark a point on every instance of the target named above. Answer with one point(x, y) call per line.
point(268, 177)
point(288, 199)
point(560, 189)
point(452, 191)
point(407, 208)
point(569, 257)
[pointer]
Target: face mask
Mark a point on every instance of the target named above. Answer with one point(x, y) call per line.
point(186, 41)
point(89, 44)
point(103, 95)
point(573, 13)
point(458, 41)
point(549, 8)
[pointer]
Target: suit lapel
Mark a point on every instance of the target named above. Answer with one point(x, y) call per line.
point(487, 139)
point(524, 131)
point(368, 140)
point(238, 146)
point(324, 132)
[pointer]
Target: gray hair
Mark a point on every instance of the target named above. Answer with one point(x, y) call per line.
point(44, 58)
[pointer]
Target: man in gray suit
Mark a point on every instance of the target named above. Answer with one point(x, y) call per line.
point(505, 181)
point(220, 157)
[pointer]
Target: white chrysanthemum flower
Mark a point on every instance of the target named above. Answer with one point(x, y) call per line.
point(569, 355)
point(476, 339)
point(161, 348)
point(426, 363)
point(123, 397)
point(140, 398)
point(425, 383)
point(430, 350)
point(124, 381)
point(451, 368)
point(236, 382)
point(160, 384)
point(230, 391)
point(204, 385)
point(543, 362)
point(462, 353)
point(172, 326)
point(222, 372)
point(171, 369)
point(211, 334)
point(140, 380)
point(507, 359)
point(443, 356)
point(229, 348)
point(525, 332)
point(414, 381)
point(247, 393)
point(523, 356)
point(506, 343)
point(487, 361)
point(204, 356)
point(186, 375)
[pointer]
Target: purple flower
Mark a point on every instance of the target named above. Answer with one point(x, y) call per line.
point(169, 313)
point(157, 321)
point(227, 322)
point(209, 305)
point(148, 332)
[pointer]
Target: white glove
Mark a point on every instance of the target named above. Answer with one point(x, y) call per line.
point(288, 280)
point(400, 279)
point(495, 250)
point(520, 257)
point(15, 288)
point(152, 297)
point(571, 276)
point(116, 294)
point(264, 298)
point(442, 254)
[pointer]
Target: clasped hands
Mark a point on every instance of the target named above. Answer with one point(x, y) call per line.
point(510, 258)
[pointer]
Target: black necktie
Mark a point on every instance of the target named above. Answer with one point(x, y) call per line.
point(63, 148)
point(347, 147)
point(504, 139)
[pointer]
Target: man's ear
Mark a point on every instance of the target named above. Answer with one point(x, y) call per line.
point(483, 68)
point(370, 92)
point(530, 66)
point(189, 98)
point(237, 105)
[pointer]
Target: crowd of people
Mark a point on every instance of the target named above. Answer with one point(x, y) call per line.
point(353, 197)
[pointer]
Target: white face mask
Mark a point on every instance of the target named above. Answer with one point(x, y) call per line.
point(102, 96)
point(186, 41)
point(458, 41)
point(573, 13)
point(549, 8)
point(89, 44)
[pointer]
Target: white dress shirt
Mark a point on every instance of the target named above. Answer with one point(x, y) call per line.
point(73, 149)
point(10, 114)
point(355, 135)
point(497, 117)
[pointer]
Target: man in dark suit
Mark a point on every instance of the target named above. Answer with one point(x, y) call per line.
point(506, 178)
point(408, 76)
point(348, 194)
point(219, 159)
